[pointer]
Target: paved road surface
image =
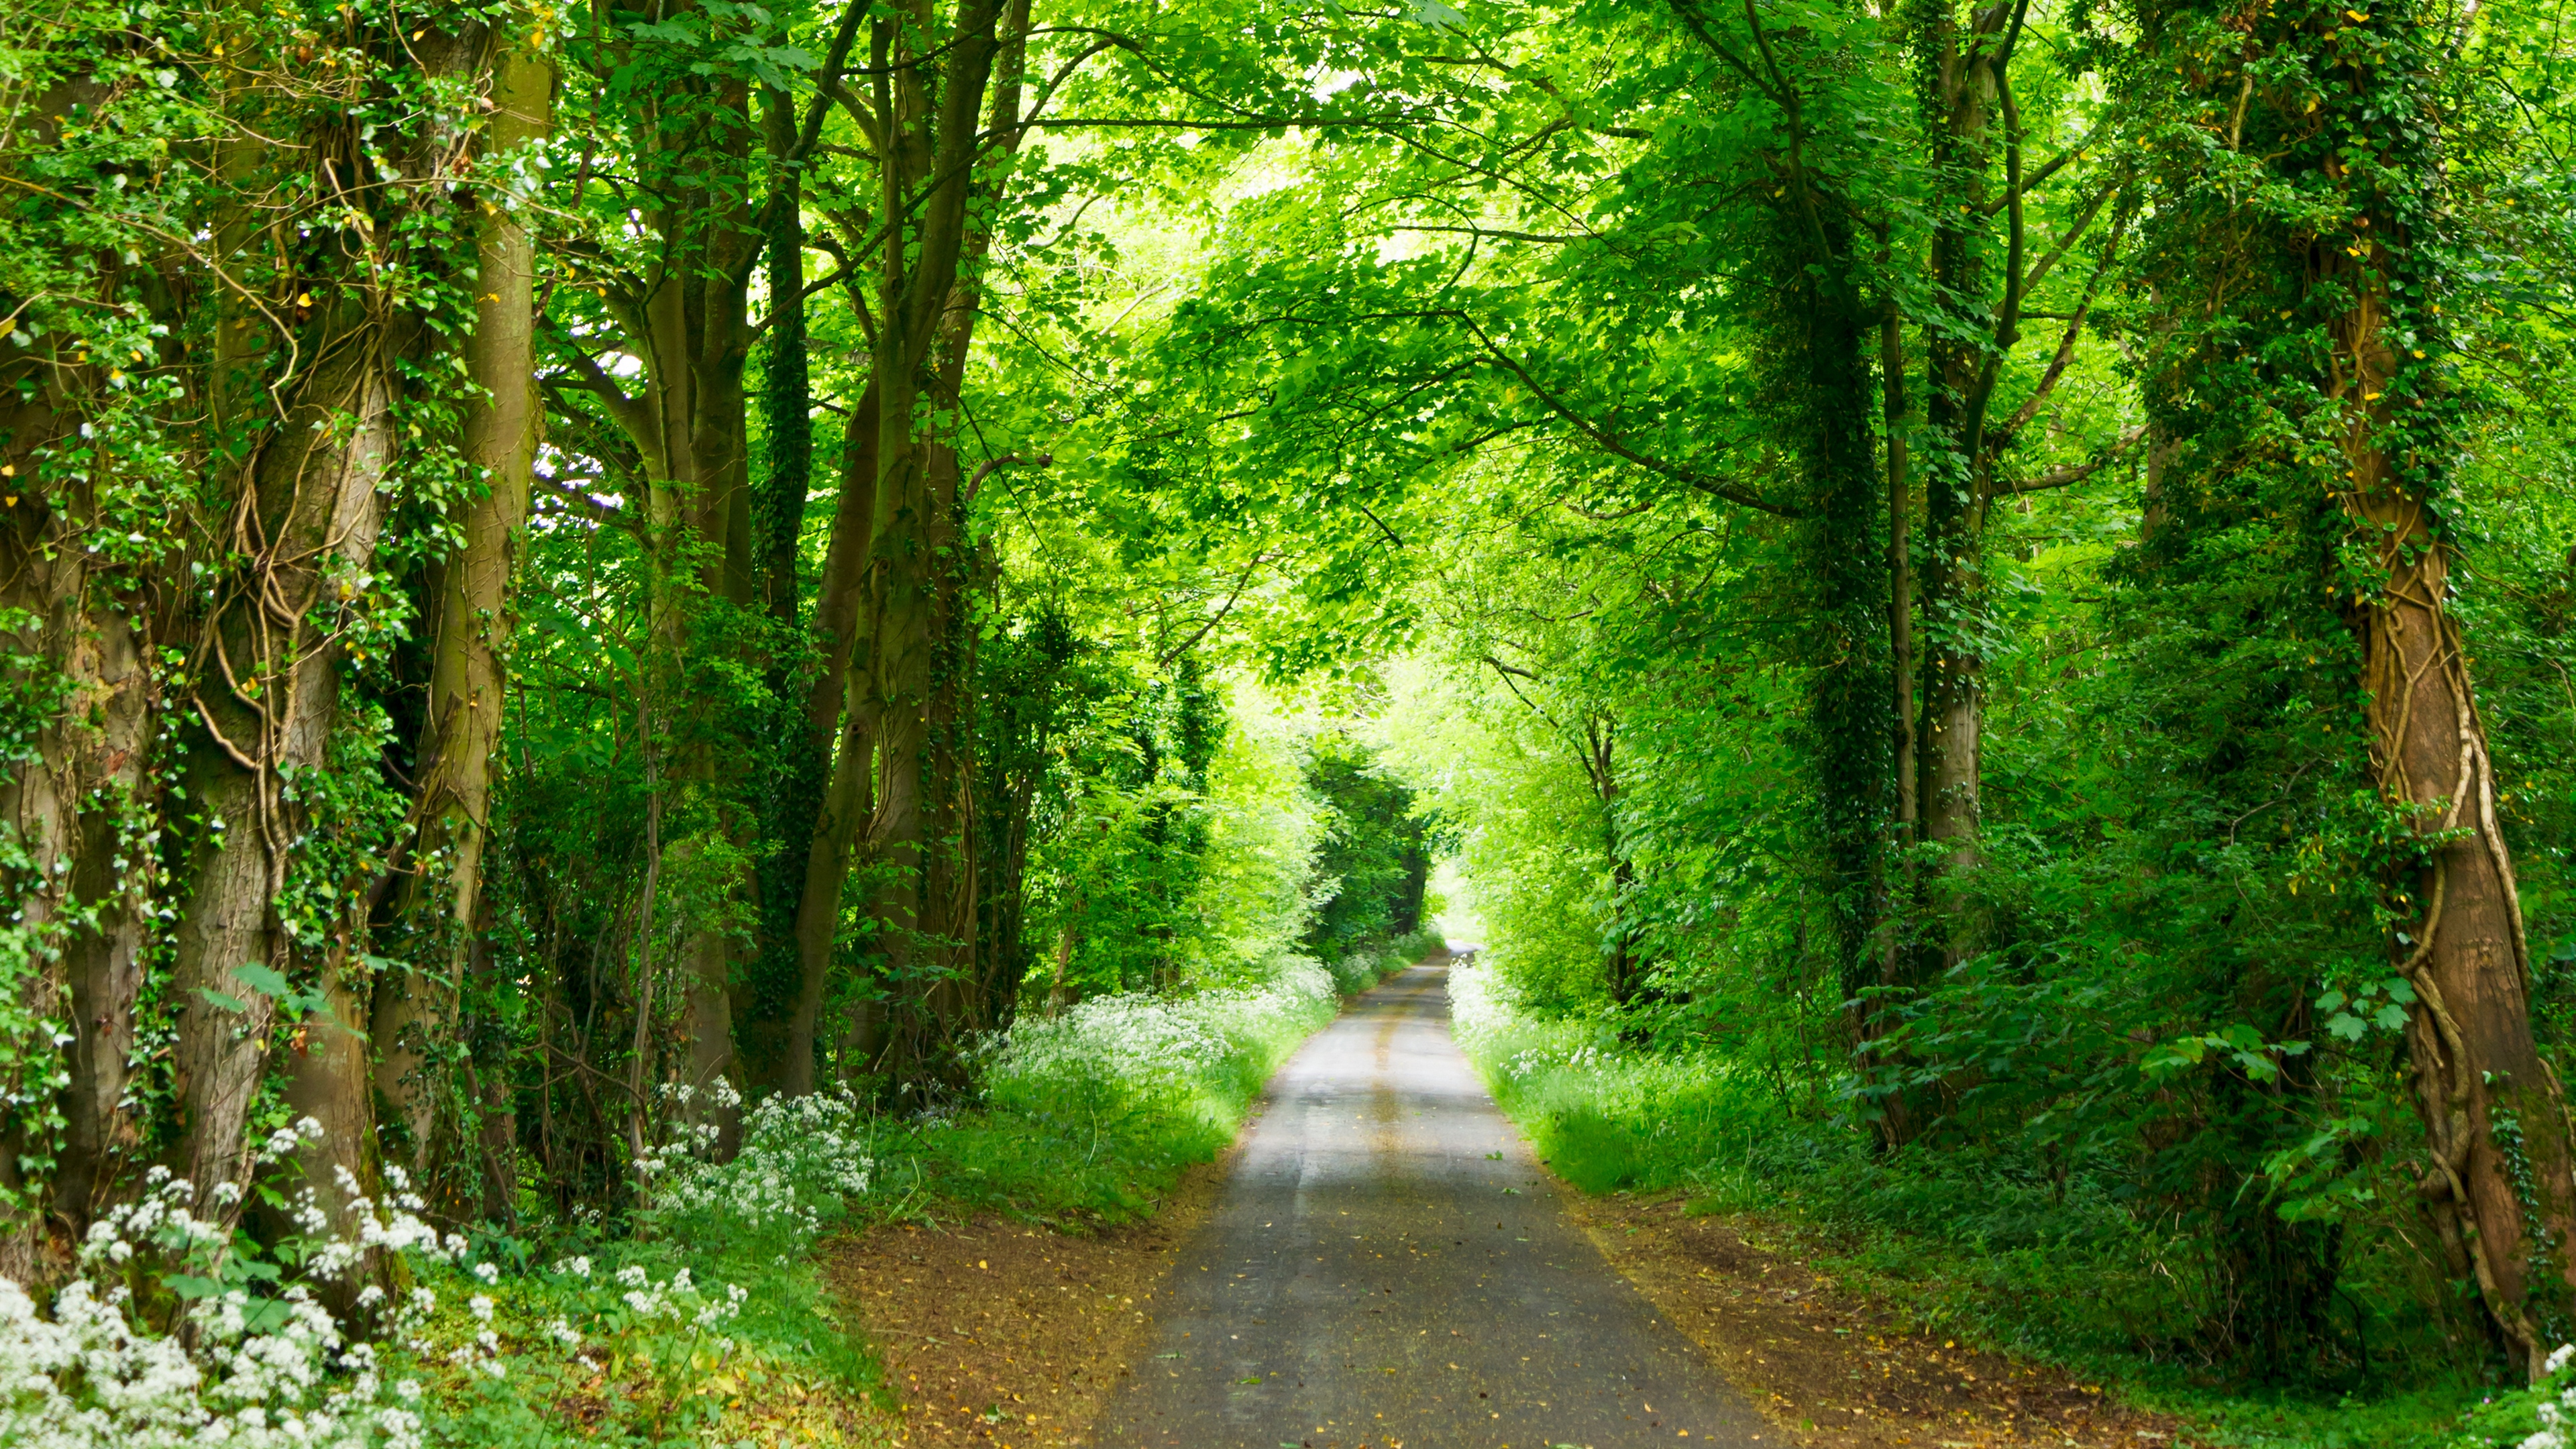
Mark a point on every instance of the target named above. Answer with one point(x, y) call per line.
point(1387, 1268)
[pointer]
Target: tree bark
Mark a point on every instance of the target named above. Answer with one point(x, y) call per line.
point(1955, 480)
point(686, 318)
point(103, 957)
point(67, 810)
point(265, 686)
point(836, 707)
point(2495, 1114)
point(929, 139)
point(415, 1007)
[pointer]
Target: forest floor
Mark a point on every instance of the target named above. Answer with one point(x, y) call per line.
point(994, 1332)
point(1831, 1367)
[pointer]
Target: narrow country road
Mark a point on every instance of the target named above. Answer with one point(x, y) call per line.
point(1386, 1268)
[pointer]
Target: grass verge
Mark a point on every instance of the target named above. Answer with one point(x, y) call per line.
point(2001, 1259)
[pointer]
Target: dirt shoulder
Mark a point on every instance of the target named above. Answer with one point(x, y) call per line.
point(1833, 1369)
point(999, 1333)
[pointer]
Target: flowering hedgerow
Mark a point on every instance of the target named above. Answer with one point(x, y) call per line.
point(800, 1162)
point(1150, 1045)
point(249, 1357)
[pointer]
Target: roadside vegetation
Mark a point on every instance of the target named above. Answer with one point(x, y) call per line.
point(632, 635)
point(700, 1314)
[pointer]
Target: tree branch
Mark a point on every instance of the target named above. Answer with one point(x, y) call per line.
point(1612, 444)
point(2076, 472)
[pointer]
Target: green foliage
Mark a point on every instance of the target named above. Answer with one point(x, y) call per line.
point(1375, 860)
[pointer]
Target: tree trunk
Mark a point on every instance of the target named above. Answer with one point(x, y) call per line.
point(79, 910)
point(837, 705)
point(1848, 703)
point(930, 134)
point(265, 686)
point(1900, 575)
point(327, 1080)
point(687, 320)
point(1955, 480)
point(798, 774)
point(103, 959)
point(2495, 1114)
point(414, 1008)
point(72, 810)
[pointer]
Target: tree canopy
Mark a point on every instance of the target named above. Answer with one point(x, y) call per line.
point(2007, 573)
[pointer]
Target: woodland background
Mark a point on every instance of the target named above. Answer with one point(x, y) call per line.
point(628, 630)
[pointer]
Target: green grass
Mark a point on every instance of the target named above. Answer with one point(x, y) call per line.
point(1970, 1247)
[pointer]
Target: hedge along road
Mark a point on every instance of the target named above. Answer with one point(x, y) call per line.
point(1388, 1268)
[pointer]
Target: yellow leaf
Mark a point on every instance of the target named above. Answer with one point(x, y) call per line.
point(2358, 18)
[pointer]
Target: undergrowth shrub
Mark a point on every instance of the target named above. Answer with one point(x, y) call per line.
point(2003, 1250)
point(1097, 1110)
point(651, 1332)
point(1375, 961)
point(178, 1331)
point(801, 1163)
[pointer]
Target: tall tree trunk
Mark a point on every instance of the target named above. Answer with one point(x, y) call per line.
point(798, 772)
point(103, 958)
point(841, 726)
point(74, 807)
point(931, 134)
point(1955, 476)
point(2495, 1114)
point(77, 916)
point(265, 686)
point(1848, 704)
point(1900, 574)
point(688, 321)
point(414, 1009)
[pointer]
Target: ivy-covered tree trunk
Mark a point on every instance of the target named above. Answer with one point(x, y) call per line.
point(102, 955)
point(264, 682)
point(75, 696)
point(1963, 81)
point(799, 764)
point(1848, 704)
point(413, 1016)
point(2498, 1182)
point(931, 135)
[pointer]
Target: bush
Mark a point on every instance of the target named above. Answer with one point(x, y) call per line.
point(1376, 961)
point(1098, 1110)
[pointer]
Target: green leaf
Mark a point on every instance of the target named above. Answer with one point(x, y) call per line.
point(268, 981)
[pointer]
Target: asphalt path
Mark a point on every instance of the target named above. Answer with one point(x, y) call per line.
point(1387, 1268)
